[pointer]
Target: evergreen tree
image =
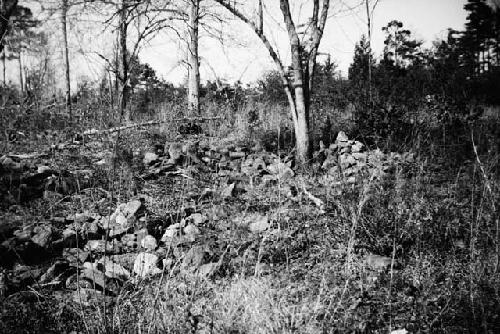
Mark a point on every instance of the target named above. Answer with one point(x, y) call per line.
point(401, 50)
point(358, 70)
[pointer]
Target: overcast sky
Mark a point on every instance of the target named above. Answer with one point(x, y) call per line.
point(242, 56)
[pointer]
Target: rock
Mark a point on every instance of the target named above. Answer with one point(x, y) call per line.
point(194, 258)
point(3, 285)
point(399, 331)
point(42, 169)
point(171, 232)
point(125, 260)
point(149, 243)
point(377, 262)
point(116, 229)
point(145, 265)
point(53, 273)
point(227, 192)
point(262, 269)
point(281, 170)
point(207, 270)
point(23, 275)
point(191, 231)
point(257, 223)
point(175, 152)
point(84, 230)
point(80, 218)
point(24, 234)
point(149, 158)
point(75, 255)
point(121, 220)
point(43, 236)
point(98, 246)
point(88, 297)
point(197, 218)
point(130, 240)
point(113, 270)
point(341, 137)
point(237, 155)
point(92, 274)
point(357, 147)
point(134, 240)
point(132, 208)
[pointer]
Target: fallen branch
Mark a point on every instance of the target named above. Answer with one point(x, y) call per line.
point(149, 123)
point(319, 203)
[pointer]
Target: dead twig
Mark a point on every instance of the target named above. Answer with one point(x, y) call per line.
point(149, 123)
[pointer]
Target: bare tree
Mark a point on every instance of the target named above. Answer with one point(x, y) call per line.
point(298, 86)
point(193, 58)
point(369, 17)
point(64, 14)
point(3, 56)
point(7, 9)
point(123, 63)
point(147, 18)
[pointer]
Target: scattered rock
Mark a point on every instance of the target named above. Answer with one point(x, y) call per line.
point(207, 270)
point(3, 285)
point(89, 296)
point(125, 260)
point(54, 272)
point(194, 258)
point(257, 223)
point(25, 233)
point(227, 192)
point(112, 269)
point(149, 243)
point(197, 219)
point(191, 231)
point(149, 158)
point(377, 262)
point(43, 236)
point(75, 255)
point(145, 265)
point(281, 170)
point(101, 246)
point(132, 208)
point(171, 232)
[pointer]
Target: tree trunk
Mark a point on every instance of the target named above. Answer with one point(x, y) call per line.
point(4, 69)
point(301, 97)
point(301, 127)
point(194, 62)
point(7, 8)
point(66, 56)
point(124, 66)
point(261, 17)
point(369, 26)
point(298, 89)
point(21, 81)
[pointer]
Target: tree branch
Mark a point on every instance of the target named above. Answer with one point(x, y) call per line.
point(267, 44)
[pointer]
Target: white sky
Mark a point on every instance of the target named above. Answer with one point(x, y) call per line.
point(244, 57)
point(427, 19)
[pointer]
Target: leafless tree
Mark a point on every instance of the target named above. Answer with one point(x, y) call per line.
point(7, 8)
point(369, 17)
point(193, 58)
point(64, 13)
point(298, 86)
point(148, 18)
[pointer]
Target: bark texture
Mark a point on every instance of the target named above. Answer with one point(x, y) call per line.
point(123, 62)
point(193, 59)
point(298, 86)
point(64, 14)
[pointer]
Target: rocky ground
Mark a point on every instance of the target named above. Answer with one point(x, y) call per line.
point(92, 223)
